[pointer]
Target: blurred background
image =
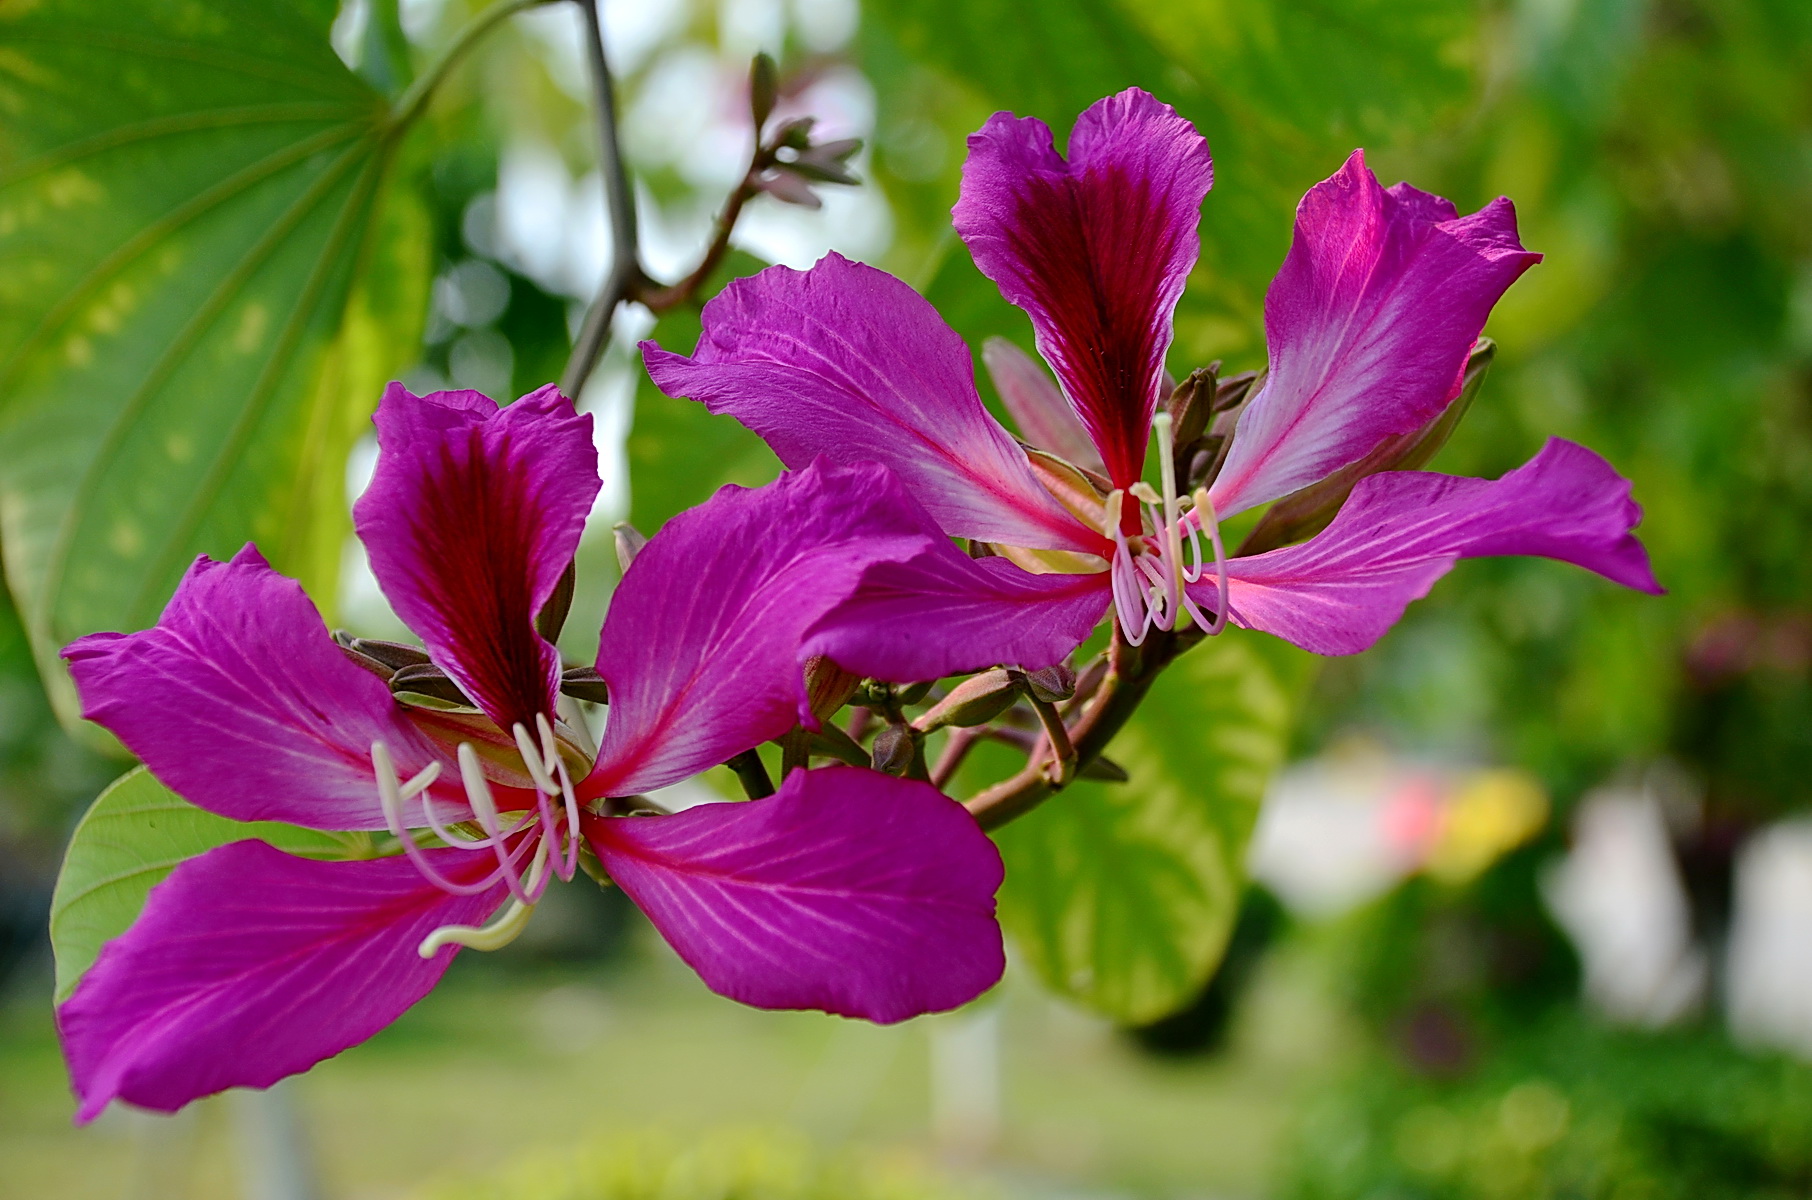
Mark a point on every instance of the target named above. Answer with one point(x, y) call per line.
point(1530, 898)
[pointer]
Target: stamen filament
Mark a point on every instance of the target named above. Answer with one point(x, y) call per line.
point(506, 928)
point(1173, 536)
point(390, 798)
point(531, 758)
point(484, 807)
point(1204, 508)
point(550, 750)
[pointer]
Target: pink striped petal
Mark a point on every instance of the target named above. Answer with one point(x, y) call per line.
point(847, 891)
point(848, 363)
point(1342, 590)
point(1095, 249)
point(944, 613)
point(240, 702)
point(249, 964)
point(701, 649)
point(1369, 322)
point(471, 519)
point(1045, 419)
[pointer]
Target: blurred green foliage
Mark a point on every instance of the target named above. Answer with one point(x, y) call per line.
point(755, 1164)
point(1570, 1110)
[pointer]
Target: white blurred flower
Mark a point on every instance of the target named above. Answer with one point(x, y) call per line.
point(1619, 895)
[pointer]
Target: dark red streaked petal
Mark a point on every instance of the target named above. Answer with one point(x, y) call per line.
point(471, 518)
point(1096, 250)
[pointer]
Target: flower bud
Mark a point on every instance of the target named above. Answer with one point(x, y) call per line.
point(1053, 684)
point(894, 749)
point(975, 701)
point(429, 682)
point(1190, 406)
point(828, 687)
point(764, 88)
point(392, 655)
point(552, 617)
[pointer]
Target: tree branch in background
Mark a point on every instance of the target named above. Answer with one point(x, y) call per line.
point(621, 282)
point(786, 165)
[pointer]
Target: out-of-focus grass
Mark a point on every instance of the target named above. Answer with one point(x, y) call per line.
point(500, 1065)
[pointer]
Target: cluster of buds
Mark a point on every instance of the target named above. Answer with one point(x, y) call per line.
point(787, 162)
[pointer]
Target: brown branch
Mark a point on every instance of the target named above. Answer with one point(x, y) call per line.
point(1130, 674)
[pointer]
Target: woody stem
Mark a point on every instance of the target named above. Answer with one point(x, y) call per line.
point(1131, 670)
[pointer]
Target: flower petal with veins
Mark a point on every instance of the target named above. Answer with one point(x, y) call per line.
point(240, 702)
point(848, 891)
point(249, 964)
point(848, 363)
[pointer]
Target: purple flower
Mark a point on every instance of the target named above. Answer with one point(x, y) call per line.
point(1369, 323)
point(847, 890)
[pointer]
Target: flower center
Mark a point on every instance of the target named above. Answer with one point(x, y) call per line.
point(1148, 574)
point(534, 836)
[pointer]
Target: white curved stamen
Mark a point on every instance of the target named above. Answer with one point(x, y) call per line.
point(531, 758)
point(484, 807)
point(509, 924)
point(390, 797)
point(1129, 595)
point(1172, 517)
point(1204, 513)
point(570, 862)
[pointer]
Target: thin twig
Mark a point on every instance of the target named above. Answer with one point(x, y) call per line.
point(625, 274)
point(410, 104)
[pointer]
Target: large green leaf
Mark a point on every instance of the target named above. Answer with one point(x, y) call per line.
point(135, 835)
point(188, 202)
point(678, 451)
point(1123, 895)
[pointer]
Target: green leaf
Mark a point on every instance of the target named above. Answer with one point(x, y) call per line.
point(679, 452)
point(1123, 895)
point(189, 201)
point(133, 836)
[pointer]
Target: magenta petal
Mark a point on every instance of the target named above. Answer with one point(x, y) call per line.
point(240, 702)
point(701, 649)
point(471, 518)
point(944, 613)
point(1095, 249)
point(1369, 322)
point(249, 964)
point(848, 363)
point(1400, 531)
point(847, 891)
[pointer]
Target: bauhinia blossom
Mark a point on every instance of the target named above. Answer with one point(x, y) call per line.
point(1369, 325)
point(847, 891)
